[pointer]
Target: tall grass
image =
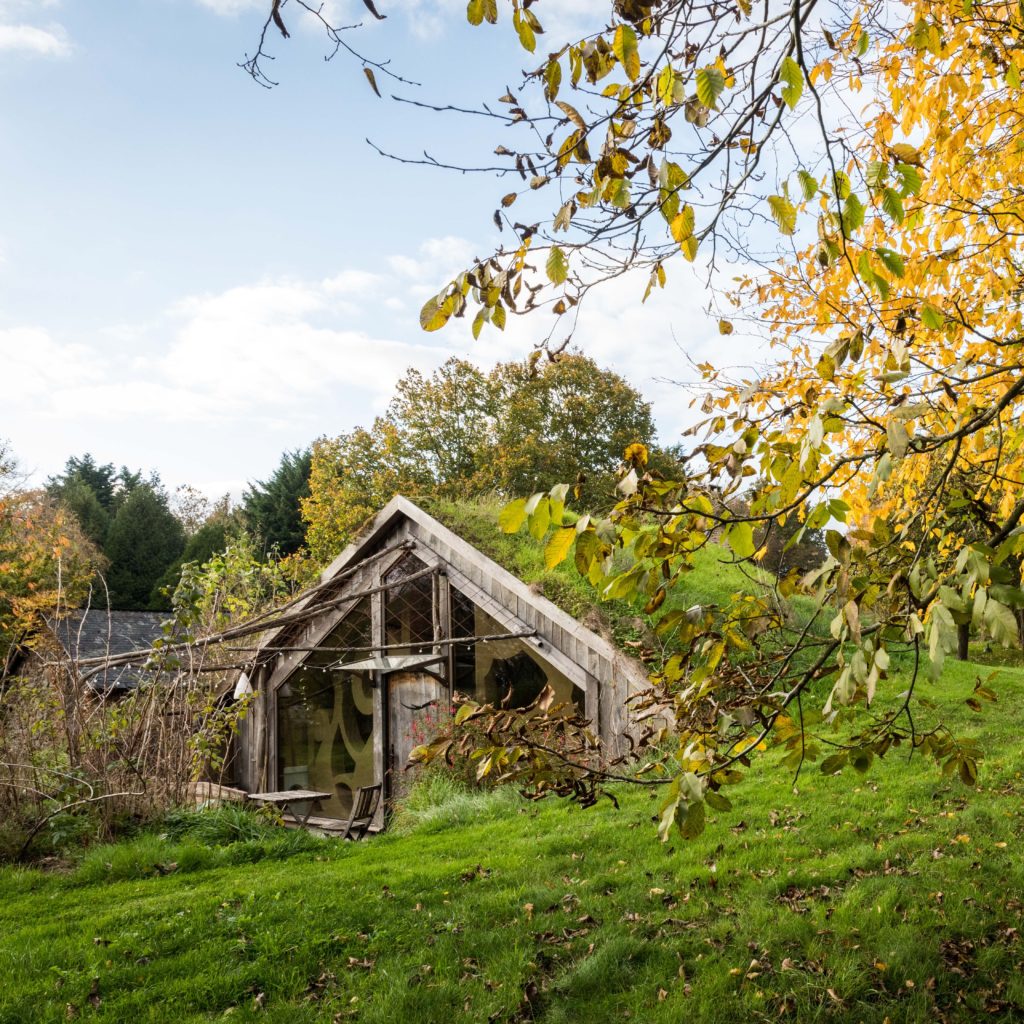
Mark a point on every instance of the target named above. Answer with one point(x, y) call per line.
point(438, 801)
point(196, 840)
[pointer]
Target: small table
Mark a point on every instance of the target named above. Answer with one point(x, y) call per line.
point(286, 798)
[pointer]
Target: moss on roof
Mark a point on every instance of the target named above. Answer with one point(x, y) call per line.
point(713, 580)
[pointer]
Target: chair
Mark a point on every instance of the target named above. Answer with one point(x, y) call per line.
point(364, 807)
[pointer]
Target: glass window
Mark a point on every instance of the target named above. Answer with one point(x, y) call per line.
point(325, 719)
point(511, 672)
point(325, 735)
point(408, 608)
point(349, 640)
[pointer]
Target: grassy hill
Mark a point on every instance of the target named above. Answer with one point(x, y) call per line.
point(895, 896)
point(713, 580)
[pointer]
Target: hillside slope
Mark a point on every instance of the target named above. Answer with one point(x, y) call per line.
point(896, 895)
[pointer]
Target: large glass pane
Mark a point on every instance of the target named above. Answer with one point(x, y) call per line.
point(408, 608)
point(325, 735)
point(510, 672)
point(325, 718)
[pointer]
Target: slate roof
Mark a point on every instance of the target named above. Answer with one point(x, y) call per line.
point(97, 633)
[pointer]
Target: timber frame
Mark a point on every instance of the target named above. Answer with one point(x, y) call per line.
point(604, 676)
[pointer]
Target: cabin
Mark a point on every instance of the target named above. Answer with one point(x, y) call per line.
point(408, 615)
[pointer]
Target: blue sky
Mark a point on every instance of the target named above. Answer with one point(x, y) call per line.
point(197, 274)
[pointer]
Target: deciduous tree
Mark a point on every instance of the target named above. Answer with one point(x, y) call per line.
point(882, 144)
point(462, 431)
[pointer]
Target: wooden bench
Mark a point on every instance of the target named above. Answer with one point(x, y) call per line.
point(285, 800)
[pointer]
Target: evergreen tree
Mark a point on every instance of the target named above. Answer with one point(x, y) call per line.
point(87, 473)
point(81, 499)
point(210, 539)
point(272, 507)
point(144, 540)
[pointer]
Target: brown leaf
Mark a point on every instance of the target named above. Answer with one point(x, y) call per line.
point(276, 15)
point(369, 71)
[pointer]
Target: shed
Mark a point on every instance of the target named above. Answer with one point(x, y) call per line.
point(409, 614)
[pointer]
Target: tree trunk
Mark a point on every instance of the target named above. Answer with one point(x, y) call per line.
point(963, 636)
point(1020, 625)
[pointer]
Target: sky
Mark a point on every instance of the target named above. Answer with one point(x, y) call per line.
point(197, 273)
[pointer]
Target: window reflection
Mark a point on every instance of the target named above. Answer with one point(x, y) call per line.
point(325, 735)
point(510, 672)
point(409, 608)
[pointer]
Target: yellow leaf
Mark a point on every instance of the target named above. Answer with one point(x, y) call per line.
point(624, 46)
point(558, 546)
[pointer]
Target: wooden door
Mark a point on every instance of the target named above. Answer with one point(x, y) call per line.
point(416, 710)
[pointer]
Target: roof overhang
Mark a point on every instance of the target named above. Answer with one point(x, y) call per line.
point(389, 663)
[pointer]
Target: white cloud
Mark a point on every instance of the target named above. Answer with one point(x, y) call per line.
point(229, 8)
point(219, 384)
point(284, 347)
point(43, 42)
point(37, 366)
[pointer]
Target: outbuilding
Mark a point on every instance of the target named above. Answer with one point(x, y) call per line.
point(408, 615)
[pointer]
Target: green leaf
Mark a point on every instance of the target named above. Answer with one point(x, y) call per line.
point(835, 763)
point(892, 203)
point(717, 800)
point(863, 42)
point(693, 824)
point(876, 174)
point(710, 85)
point(526, 36)
point(552, 79)
point(893, 261)
point(932, 317)
point(1001, 623)
point(588, 547)
point(793, 82)
point(897, 437)
point(741, 539)
point(557, 265)
point(512, 516)
point(540, 518)
point(624, 45)
point(478, 11)
point(478, 322)
point(808, 184)
point(911, 178)
point(784, 213)
point(558, 546)
point(853, 214)
point(841, 180)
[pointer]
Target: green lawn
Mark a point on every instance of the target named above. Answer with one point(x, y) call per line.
point(896, 895)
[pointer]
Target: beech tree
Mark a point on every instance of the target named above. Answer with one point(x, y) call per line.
point(861, 163)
